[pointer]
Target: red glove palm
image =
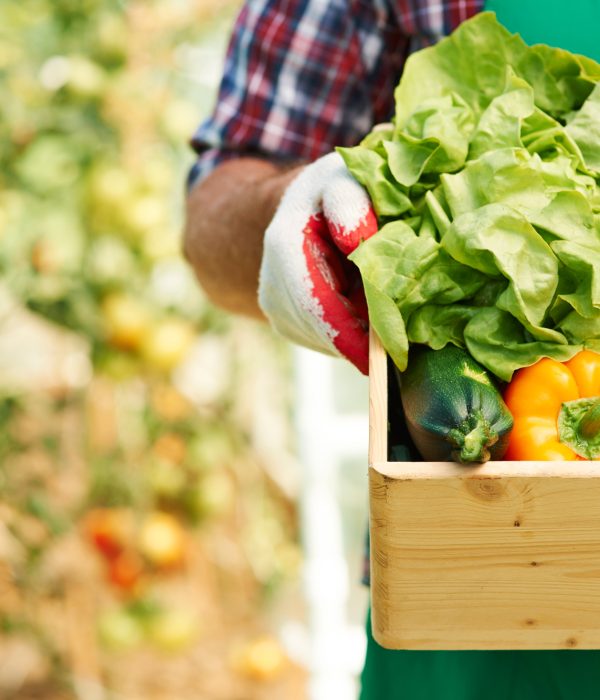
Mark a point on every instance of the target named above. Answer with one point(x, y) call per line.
point(308, 289)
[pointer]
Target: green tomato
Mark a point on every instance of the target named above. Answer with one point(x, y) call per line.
point(120, 631)
point(173, 630)
point(86, 78)
point(212, 497)
point(109, 260)
point(166, 480)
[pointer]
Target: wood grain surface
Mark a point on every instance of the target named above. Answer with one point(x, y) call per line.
point(504, 555)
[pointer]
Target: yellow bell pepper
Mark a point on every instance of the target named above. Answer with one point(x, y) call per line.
point(556, 409)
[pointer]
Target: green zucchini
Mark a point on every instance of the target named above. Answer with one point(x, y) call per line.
point(453, 409)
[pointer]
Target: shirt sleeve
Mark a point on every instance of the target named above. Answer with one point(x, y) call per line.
point(301, 77)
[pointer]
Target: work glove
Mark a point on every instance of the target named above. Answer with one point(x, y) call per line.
point(308, 289)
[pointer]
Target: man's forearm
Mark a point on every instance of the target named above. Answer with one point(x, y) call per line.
point(227, 214)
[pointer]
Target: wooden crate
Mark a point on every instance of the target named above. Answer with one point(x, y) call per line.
point(504, 555)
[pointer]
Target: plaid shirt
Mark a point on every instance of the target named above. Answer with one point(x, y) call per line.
point(303, 76)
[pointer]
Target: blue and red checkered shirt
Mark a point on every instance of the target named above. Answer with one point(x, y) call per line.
point(303, 76)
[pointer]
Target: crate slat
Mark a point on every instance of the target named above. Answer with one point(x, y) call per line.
point(504, 555)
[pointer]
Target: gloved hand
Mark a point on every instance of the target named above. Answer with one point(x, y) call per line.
point(308, 290)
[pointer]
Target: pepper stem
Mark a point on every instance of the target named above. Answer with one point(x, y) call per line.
point(589, 424)
point(472, 439)
point(579, 426)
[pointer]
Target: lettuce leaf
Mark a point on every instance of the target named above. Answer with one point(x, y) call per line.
point(584, 128)
point(487, 189)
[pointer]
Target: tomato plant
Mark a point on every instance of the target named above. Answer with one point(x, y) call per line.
point(125, 432)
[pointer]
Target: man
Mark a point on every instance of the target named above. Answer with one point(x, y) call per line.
point(300, 78)
point(273, 213)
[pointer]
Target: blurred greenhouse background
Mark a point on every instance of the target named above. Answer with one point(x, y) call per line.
point(156, 527)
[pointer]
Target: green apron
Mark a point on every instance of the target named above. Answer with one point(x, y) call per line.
point(500, 675)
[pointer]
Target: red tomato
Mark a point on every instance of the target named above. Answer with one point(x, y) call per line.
point(126, 572)
point(109, 530)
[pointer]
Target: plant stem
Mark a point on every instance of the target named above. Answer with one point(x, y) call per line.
point(589, 425)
